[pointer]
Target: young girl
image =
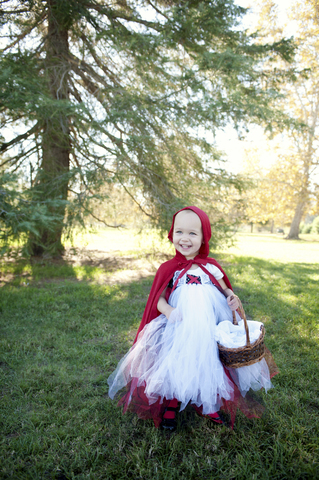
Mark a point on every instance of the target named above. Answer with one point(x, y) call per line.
point(174, 359)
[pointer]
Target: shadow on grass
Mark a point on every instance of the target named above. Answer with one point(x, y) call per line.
point(83, 265)
point(275, 290)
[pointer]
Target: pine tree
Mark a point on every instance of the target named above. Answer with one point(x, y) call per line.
point(123, 91)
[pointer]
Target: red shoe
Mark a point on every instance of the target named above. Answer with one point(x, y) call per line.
point(169, 416)
point(216, 418)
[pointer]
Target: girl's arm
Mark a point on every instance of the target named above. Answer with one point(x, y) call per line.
point(233, 304)
point(163, 306)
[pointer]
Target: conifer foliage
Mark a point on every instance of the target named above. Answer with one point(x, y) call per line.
point(122, 91)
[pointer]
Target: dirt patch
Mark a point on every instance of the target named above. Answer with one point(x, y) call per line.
point(109, 261)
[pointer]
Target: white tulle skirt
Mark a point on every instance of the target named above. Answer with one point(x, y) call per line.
point(180, 360)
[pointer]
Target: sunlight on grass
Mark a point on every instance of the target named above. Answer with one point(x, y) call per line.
point(149, 241)
point(121, 240)
point(272, 247)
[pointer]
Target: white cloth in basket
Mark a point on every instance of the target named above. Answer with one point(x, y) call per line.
point(234, 336)
point(254, 376)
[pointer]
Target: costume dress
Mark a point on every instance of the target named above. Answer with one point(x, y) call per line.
point(179, 359)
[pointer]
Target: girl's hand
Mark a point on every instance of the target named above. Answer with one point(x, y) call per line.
point(175, 316)
point(232, 301)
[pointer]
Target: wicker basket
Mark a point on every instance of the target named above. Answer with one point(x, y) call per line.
point(243, 356)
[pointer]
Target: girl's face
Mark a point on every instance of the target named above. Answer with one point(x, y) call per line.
point(187, 234)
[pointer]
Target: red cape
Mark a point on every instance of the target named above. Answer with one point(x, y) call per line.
point(179, 262)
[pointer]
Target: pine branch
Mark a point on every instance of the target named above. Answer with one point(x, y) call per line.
point(112, 15)
point(18, 160)
point(94, 216)
point(157, 10)
point(81, 174)
point(8, 121)
point(98, 61)
point(101, 145)
point(22, 155)
point(17, 167)
point(133, 198)
point(9, 12)
point(26, 32)
point(91, 86)
point(89, 157)
point(4, 147)
point(80, 65)
point(74, 91)
point(117, 141)
point(102, 221)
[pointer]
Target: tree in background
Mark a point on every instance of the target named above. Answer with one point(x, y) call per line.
point(294, 173)
point(124, 92)
point(275, 184)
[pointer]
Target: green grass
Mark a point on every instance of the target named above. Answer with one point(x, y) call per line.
point(63, 332)
point(275, 247)
point(122, 241)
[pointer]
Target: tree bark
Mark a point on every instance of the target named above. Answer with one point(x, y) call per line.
point(52, 178)
point(304, 191)
point(272, 226)
point(294, 227)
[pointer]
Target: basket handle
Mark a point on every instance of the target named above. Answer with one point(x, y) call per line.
point(243, 315)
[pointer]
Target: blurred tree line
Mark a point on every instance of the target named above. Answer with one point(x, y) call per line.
point(287, 190)
point(100, 96)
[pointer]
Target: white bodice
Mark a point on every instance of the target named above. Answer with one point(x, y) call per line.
point(200, 276)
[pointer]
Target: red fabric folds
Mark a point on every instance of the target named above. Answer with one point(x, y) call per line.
point(135, 401)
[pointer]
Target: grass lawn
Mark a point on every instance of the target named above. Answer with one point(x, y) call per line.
point(64, 326)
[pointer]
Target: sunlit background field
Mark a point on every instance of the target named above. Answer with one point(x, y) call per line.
point(259, 245)
point(273, 247)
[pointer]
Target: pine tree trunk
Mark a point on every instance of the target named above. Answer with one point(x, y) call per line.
point(294, 227)
point(52, 178)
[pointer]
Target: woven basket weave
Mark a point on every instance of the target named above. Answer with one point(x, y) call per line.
point(243, 356)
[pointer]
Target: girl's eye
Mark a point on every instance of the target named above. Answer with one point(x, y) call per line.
point(192, 233)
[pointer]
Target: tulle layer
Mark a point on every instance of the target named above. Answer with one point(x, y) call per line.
point(135, 401)
point(180, 361)
point(253, 377)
